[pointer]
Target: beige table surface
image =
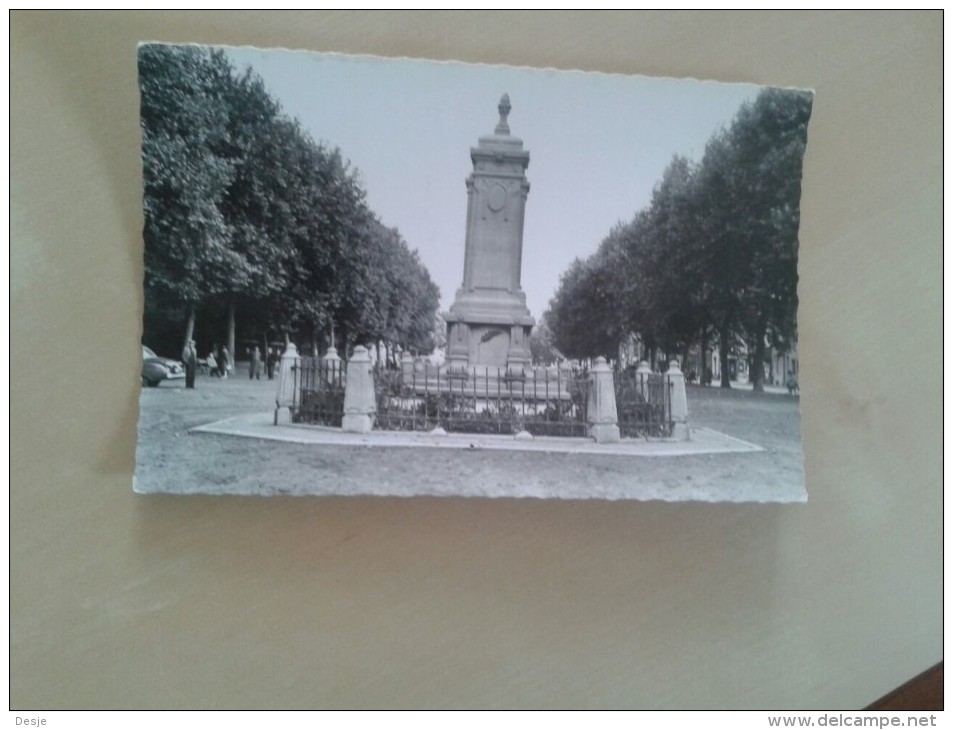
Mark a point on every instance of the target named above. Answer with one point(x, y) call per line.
point(121, 600)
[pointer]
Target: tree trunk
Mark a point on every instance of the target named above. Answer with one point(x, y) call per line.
point(703, 345)
point(684, 362)
point(723, 356)
point(314, 339)
point(757, 366)
point(231, 333)
point(189, 325)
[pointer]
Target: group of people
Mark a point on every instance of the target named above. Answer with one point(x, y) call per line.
point(219, 363)
point(257, 364)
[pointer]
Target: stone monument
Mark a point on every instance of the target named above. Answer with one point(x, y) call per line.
point(489, 323)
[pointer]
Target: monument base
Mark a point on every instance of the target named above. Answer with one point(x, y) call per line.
point(476, 342)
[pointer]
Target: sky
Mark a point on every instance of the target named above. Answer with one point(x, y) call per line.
point(598, 145)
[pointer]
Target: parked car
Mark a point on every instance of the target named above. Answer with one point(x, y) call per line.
point(155, 369)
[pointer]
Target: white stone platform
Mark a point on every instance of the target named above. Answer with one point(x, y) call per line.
point(260, 426)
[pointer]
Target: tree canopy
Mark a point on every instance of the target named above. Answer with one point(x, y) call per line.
point(246, 215)
point(714, 252)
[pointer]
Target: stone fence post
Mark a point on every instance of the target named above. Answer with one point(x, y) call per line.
point(602, 416)
point(286, 397)
point(675, 381)
point(360, 405)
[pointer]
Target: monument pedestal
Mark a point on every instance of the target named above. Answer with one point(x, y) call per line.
point(482, 341)
point(489, 325)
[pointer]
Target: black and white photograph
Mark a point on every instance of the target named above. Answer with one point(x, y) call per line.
point(476, 360)
point(367, 276)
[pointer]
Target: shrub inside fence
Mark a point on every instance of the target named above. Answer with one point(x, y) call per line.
point(319, 392)
point(644, 404)
point(486, 401)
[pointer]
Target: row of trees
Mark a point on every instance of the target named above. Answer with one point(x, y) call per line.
point(712, 258)
point(248, 218)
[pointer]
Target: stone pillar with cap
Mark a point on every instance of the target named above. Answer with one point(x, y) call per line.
point(601, 412)
point(360, 405)
point(287, 384)
point(675, 382)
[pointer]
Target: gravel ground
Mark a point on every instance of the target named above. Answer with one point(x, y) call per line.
point(169, 459)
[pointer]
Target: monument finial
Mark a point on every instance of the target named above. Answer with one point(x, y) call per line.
point(504, 107)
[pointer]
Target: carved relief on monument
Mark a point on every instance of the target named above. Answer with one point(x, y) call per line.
point(490, 346)
point(496, 198)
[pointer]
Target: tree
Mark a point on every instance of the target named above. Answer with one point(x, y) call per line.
point(722, 229)
point(772, 132)
point(401, 299)
point(247, 216)
point(583, 314)
point(260, 203)
point(715, 250)
point(666, 303)
point(541, 343)
point(183, 121)
point(750, 181)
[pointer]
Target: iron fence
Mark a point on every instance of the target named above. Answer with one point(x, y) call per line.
point(482, 400)
point(319, 391)
point(643, 403)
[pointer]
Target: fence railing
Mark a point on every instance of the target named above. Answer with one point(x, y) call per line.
point(634, 403)
point(319, 391)
point(643, 404)
point(482, 400)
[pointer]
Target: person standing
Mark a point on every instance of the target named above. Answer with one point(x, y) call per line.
point(190, 357)
point(254, 368)
point(212, 362)
point(272, 361)
point(223, 362)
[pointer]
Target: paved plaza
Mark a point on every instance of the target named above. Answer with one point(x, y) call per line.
point(261, 426)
